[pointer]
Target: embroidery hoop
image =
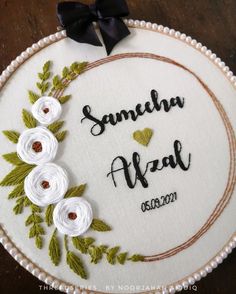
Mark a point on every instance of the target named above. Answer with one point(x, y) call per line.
point(11, 247)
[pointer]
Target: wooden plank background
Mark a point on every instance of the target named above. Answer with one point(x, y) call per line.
point(212, 22)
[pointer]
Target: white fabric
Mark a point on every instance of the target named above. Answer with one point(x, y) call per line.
point(75, 227)
point(38, 134)
point(58, 184)
point(52, 105)
point(110, 88)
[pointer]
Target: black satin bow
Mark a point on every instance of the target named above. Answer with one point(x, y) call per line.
point(78, 18)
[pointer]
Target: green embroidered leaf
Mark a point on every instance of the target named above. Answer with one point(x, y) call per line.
point(76, 264)
point(18, 191)
point(103, 248)
point(56, 81)
point(73, 66)
point(33, 218)
point(48, 214)
point(79, 244)
point(39, 242)
point(100, 226)
point(35, 208)
point(27, 202)
point(36, 230)
point(39, 85)
point(75, 191)
point(29, 120)
point(136, 258)
point(12, 136)
point(56, 126)
point(46, 66)
point(65, 72)
point(64, 99)
point(12, 158)
point(111, 254)
point(18, 208)
point(41, 76)
point(81, 67)
point(88, 241)
point(54, 249)
point(17, 175)
point(95, 254)
point(121, 258)
point(44, 87)
point(20, 201)
point(61, 136)
point(33, 97)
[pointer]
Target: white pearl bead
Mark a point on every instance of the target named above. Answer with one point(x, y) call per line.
point(42, 276)
point(217, 60)
point(165, 291)
point(142, 23)
point(234, 238)
point(197, 277)
point(48, 280)
point(182, 37)
point(204, 49)
point(171, 32)
point(46, 40)
point(23, 262)
point(154, 26)
point(198, 45)
point(223, 254)
point(185, 284)
point(226, 69)
point(213, 264)
point(171, 290)
point(24, 54)
point(166, 30)
point(177, 34)
point(6, 73)
point(76, 291)
point(219, 259)
point(178, 288)
point(232, 244)
point(208, 52)
point(18, 257)
point(3, 240)
point(62, 287)
point(194, 42)
point(221, 64)
point(35, 47)
point(203, 273)
point(188, 39)
point(130, 22)
point(213, 56)
point(10, 68)
point(55, 284)
point(2, 80)
point(35, 272)
point(229, 74)
point(148, 25)
point(136, 23)
point(14, 63)
point(52, 38)
point(8, 246)
point(13, 251)
point(29, 267)
point(63, 33)
point(19, 59)
point(191, 281)
point(228, 249)
point(160, 28)
point(58, 35)
point(208, 269)
point(41, 43)
point(29, 50)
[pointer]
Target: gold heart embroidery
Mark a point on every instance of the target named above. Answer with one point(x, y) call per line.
point(143, 137)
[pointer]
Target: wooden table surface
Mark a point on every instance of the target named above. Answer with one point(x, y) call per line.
point(211, 22)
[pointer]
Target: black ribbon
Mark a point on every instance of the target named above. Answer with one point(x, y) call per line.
point(78, 18)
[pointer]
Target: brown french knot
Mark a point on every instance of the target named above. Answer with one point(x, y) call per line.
point(45, 184)
point(72, 215)
point(37, 147)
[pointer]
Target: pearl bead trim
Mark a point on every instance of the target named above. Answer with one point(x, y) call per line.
point(59, 284)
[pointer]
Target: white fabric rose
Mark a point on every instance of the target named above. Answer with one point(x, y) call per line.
point(73, 216)
point(46, 110)
point(37, 146)
point(46, 184)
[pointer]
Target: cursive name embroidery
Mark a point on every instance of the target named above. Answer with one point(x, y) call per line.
point(171, 161)
point(99, 125)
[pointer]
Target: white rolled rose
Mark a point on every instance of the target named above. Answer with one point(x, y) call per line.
point(47, 110)
point(37, 146)
point(73, 216)
point(46, 184)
